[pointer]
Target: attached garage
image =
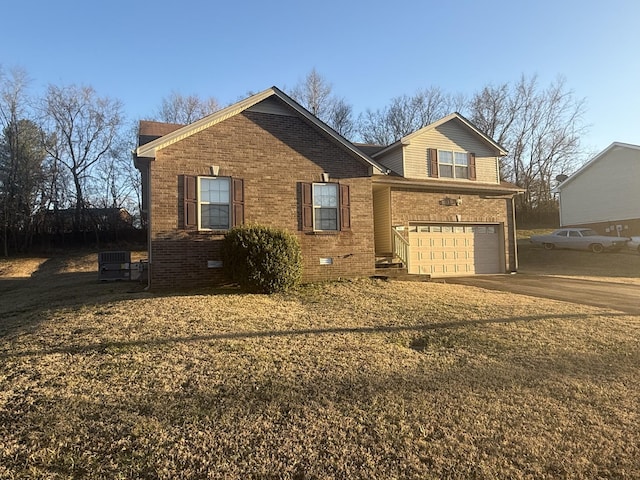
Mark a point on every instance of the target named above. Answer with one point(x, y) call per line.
point(446, 249)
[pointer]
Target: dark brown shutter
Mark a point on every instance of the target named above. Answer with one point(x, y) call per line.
point(190, 202)
point(345, 208)
point(237, 188)
point(472, 166)
point(306, 207)
point(433, 162)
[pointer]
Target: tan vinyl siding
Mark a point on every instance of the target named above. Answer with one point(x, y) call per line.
point(382, 219)
point(393, 160)
point(453, 136)
point(608, 190)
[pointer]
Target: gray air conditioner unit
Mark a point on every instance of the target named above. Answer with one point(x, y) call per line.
point(114, 266)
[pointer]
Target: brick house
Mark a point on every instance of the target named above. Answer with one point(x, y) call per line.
point(266, 160)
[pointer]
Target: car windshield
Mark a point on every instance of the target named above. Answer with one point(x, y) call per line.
point(588, 233)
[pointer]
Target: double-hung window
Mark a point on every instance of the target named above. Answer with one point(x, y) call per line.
point(461, 164)
point(445, 164)
point(326, 207)
point(451, 164)
point(214, 203)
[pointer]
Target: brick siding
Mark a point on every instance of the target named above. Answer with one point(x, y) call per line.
point(272, 154)
point(630, 228)
point(411, 206)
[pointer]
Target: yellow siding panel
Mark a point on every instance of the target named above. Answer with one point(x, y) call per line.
point(382, 220)
point(454, 136)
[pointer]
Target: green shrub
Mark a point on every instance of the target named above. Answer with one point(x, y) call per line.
point(262, 259)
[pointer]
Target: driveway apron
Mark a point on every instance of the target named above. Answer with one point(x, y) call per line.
point(612, 295)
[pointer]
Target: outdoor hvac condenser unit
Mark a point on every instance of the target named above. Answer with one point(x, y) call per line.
point(114, 265)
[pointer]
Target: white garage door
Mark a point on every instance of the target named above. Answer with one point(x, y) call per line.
point(442, 250)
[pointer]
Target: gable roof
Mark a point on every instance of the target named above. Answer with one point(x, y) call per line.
point(369, 148)
point(406, 140)
point(148, 150)
point(595, 159)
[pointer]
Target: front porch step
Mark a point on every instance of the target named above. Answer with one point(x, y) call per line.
point(388, 261)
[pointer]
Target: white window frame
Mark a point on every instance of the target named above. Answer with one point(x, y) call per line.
point(317, 207)
point(453, 164)
point(201, 202)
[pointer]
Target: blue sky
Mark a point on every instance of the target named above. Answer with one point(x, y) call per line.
point(370, 51)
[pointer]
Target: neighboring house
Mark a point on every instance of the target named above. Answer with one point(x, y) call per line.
point(93, 219)
point(266, 160)
point(604, 194)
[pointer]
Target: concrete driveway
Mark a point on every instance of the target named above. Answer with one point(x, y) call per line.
point(615, 296)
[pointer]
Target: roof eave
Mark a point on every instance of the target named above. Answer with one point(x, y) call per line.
point(451, 186)
point(597, 157)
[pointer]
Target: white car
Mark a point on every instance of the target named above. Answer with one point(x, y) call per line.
point(634, 244)
point(579, 239)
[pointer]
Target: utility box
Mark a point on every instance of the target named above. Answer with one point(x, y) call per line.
point(114, 266)
point(140, 270)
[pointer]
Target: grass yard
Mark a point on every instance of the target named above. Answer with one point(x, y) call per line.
point(360, 379)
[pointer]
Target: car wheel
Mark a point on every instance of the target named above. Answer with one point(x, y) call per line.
point(549, 246)
point(597, 248)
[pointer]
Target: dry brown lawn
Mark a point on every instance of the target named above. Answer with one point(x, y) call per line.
point(358, 379)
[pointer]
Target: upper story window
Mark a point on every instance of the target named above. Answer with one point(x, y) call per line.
point(451, 164)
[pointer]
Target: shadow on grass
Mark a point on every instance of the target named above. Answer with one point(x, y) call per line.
point(103, 346)
point(27, 301)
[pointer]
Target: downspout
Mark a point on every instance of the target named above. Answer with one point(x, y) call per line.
point(146, 192)
point(515, 235)
point(149, 216)
point(560, 207)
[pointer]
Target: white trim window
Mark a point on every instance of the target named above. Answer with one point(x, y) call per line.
point(325, 207)
point(214, 203)
point(453, 164)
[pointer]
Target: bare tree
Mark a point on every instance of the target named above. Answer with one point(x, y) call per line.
point(373, 128)
point(541, 129)
point(405, 115)
point(177, 108)
point(316, 95)
point(340, 118)
point(85, 128)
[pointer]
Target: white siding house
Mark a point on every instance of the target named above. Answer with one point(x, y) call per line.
point(605, 192)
